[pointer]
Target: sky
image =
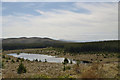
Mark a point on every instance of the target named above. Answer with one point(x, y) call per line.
point(73, 21)
point(59, 0)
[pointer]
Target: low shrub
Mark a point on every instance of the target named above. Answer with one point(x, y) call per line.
point(3, 56)
point(21, 69)
point(68, 67)
point(17, 60)
point(12, 61)
point(45, 60)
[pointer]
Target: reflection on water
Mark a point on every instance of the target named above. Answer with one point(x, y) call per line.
point(39, 57)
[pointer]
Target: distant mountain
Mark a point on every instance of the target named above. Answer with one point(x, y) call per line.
point(30, 40)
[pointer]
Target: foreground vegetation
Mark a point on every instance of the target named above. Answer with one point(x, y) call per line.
point(103, 65)
point(101, 59)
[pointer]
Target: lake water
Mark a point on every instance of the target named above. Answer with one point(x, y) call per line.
point(41, 57)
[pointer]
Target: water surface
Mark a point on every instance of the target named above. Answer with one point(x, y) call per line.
point(39, 57)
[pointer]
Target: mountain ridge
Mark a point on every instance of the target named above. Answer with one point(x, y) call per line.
point(30, 40)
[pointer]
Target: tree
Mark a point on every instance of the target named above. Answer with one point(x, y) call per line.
point(40, 61)
point(71, 62)
point(45, 60)
point(22, 59)
point(36, 60)
point(3, 65)
point(17, 60)
point(66, 61)
point(9, 58)
point(3, 56)
point(118, 56)
point(12, 61)
point(18, 53)
point(21, 69)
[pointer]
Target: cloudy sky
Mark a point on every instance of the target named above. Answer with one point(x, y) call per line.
point(59, 0)
point(75, 21)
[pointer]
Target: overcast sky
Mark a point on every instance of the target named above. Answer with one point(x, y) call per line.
point(76, 21)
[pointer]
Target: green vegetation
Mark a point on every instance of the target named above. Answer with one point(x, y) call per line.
point(22, 59)
point(6, 60)
point(71, 62)
point(3, 56)
point(12, 61)
point(98, 54)
point(40, 61)
point(64, 68)
point(88, 47)
point(119, 56)
point(82, 68)
point(68, 67)
point(36, 60)
point(45, 60)
point(18, 53)
point(65, 61)
point(17, 60)
point(21, 69)
point(3, 65)
point(92, 47)
point(9, 58)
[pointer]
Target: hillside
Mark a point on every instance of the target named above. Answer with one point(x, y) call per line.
point(33, 42)
point(29, 40)
point(71, 47)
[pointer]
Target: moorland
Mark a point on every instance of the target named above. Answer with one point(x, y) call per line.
point(101, 58)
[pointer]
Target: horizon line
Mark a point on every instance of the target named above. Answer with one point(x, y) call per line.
point(62, 39)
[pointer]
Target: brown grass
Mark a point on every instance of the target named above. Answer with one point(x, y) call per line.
point(55, 70)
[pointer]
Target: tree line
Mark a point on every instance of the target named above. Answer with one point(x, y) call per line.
point(102, 46)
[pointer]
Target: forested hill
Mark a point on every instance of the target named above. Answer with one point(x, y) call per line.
point(29, 40)
point(33, 42)
point(73, 47)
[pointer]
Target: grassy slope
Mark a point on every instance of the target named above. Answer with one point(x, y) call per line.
point(107, 68)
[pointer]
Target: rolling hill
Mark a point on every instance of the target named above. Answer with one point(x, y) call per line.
point(72, 47)
point(29, 40)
